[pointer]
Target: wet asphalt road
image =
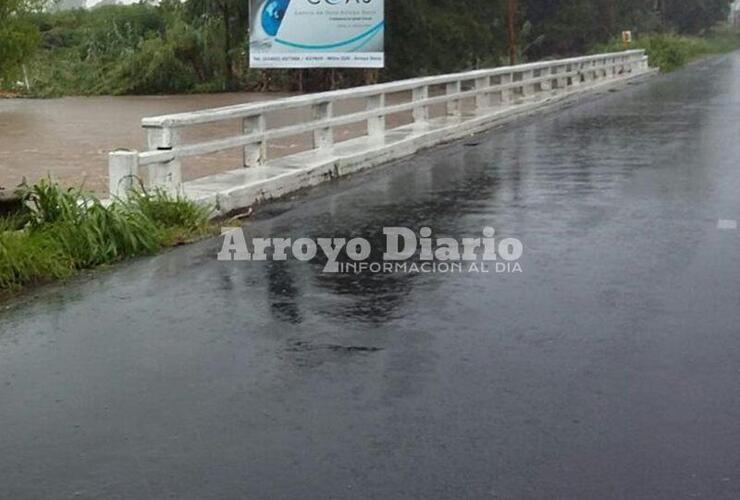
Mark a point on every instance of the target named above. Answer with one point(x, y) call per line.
point(609, 368)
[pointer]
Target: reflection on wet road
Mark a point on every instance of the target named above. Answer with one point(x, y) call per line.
point(607, 369)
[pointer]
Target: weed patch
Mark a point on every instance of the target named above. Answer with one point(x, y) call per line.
point(63, 230)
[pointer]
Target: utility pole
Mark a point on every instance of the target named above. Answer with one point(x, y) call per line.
point(511, 31)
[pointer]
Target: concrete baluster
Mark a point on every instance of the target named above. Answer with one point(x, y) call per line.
point(546, 85)
point(167, 175)
point(482, 99)
point(255, 154)
point(376, 124)
point(323, 138)
point(527, 87)
point(506, 81)
point(421, 112)
point(563, 80)
point(453, 105)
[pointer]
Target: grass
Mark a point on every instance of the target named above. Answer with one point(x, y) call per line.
point(65, 230)
point(670, 52)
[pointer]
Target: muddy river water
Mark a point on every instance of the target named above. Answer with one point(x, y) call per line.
point(69, 138)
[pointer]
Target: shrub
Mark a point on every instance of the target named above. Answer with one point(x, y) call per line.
point(670, 51)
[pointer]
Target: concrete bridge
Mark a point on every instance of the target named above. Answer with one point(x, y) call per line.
point(392, 121)
point(607, 369)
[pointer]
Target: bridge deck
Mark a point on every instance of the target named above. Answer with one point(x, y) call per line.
point(243, 187)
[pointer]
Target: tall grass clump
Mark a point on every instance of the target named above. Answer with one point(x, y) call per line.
point(29, 257)
point(63, 230)
point(177, 217)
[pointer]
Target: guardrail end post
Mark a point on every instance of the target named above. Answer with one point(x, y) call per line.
point(123, 172)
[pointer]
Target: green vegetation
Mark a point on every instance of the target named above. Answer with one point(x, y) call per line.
point(669, 51)
point(63, 230)
point(19, 37)
point(136, 49)
point(200, 45)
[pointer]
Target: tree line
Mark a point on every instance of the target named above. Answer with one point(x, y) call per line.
point(201, 45)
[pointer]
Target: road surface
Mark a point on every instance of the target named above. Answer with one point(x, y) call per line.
point(607, 369)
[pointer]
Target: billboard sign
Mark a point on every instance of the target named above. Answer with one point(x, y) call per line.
point(316, 34)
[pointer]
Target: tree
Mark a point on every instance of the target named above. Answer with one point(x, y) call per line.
point(695, 16)
point(233, 14)
point(18, 37)
point(511, 8)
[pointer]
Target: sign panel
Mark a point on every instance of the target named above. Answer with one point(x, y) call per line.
point(316, 34)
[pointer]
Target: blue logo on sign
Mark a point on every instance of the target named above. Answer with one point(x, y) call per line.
point(273, 14)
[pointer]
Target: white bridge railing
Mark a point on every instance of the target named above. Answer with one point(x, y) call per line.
point(471, 93)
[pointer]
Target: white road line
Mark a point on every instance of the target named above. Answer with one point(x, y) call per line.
point(727, 225)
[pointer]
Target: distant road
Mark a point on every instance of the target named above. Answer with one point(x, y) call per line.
point(608, 369)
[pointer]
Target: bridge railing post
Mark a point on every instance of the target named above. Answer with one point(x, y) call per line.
point(167, 175)
point(323, 138)
point(546, 85)
point(123, 172)
point(255, 155)
point(506, 81)
point(562, 81)
point(587, 73)
point(575, 78)
point(420, 112)
point(528, 88)
point(376, 125)
point(482, 99)
point(453, 105)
